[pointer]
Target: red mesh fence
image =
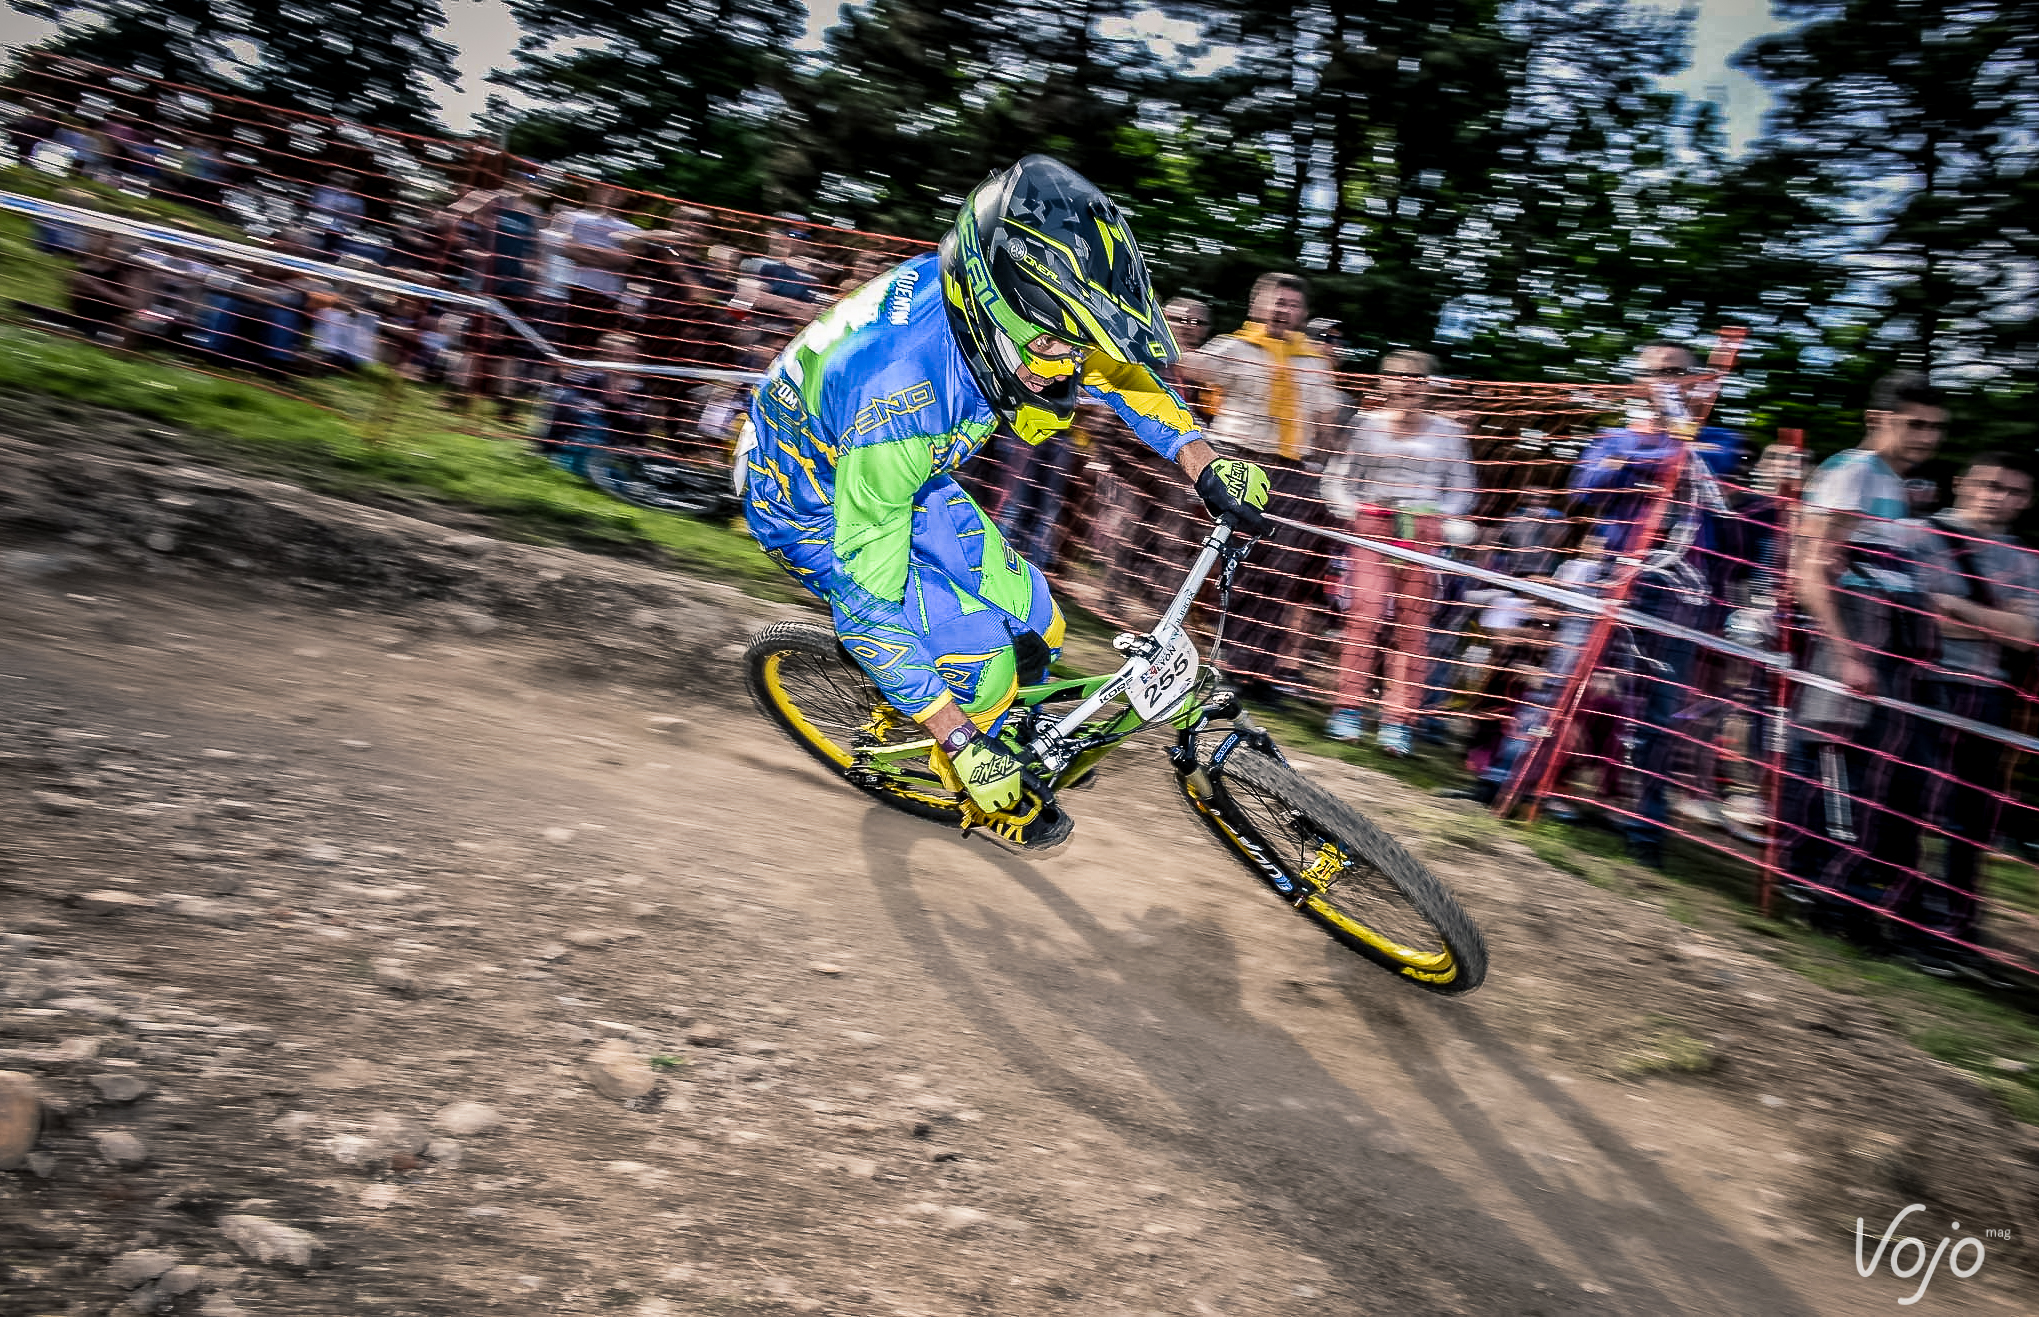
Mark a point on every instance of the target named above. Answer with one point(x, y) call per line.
point(597, 271)
point(1902, 818)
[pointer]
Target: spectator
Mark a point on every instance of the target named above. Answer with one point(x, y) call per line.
point(1856, 580)
point(31, 127)
point(1984, 583)
point(346, 332)
point(596, 408)
point(250, 320)
point(780, 269)
point(79, 149)
point(778, 290)
point(108, 288)
point(498, 230)
point(1278, 406)
point(595, 240)
point(56, 237)
point(867, 265)
point(1402, 471)
point(1329, 336)
point(1615, 480)
point(1042, 500)
point(198, 178)
point(335, 212)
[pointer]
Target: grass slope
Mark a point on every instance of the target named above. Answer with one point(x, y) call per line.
point(376, 436)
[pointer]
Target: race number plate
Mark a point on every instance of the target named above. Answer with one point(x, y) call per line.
point(1166, 682)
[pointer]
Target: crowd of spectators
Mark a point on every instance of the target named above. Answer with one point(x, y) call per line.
point(1640, 726)
point(683, 283)
point(1653, 730)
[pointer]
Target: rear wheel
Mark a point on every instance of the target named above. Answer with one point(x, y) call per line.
point(802, 680)
point(1331, 863)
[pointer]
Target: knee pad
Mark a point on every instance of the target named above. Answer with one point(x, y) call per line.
point(1031, 657)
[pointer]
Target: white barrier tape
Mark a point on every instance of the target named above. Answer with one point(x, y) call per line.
point(1594, 606)
point(221, 249)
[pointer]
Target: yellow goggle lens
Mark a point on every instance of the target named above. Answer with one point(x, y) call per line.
point(1052, 368)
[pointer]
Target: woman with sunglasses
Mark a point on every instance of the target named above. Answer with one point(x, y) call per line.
point(1404, 469)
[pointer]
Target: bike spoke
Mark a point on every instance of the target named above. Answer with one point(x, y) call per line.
point(1354, 886)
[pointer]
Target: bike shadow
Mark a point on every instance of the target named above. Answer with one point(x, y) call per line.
point(1320, 1166)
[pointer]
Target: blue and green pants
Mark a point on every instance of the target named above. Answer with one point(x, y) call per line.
point(968, 597)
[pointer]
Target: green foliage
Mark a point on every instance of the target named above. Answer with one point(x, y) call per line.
point(673, 95)
point(1885, 218)
point(362, 60)
point(180, 40)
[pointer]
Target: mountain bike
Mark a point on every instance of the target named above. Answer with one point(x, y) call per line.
point(1315, 852)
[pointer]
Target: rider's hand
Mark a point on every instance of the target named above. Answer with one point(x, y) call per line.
point(1235, 489)
point(990, 773)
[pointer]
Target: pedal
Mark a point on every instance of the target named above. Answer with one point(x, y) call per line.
point(1034, 827)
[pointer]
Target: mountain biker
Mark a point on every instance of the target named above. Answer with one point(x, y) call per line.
point(1037, 291)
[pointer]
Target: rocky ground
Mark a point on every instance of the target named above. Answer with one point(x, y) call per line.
point(401, 921)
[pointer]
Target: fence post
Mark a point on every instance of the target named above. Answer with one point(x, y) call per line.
point(1544, 757)
point(1778, 739)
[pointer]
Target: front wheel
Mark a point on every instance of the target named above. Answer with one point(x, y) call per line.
point(1331, 863)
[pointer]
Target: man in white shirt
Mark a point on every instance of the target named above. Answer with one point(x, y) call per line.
point(597, 243)
point(1278, 407)
point(1852, 761)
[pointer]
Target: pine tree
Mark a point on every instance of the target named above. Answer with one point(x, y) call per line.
point(177, 40)
point(673, 94)
point(913, 103)
point(1581, 242)
point(1898, 165)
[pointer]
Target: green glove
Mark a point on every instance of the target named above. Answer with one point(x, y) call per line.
point(990, 773)
point(1235, 489)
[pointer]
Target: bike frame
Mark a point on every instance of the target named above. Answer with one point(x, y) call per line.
point(1073, 744)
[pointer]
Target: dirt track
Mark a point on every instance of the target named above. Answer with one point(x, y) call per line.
point(397, 819)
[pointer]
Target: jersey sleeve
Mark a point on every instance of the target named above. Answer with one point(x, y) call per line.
point(1155, 413)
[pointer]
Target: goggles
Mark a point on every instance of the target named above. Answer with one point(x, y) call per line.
point(1021, 354)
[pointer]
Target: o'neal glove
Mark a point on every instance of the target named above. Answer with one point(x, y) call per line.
point(1235, 489)
point(990, 773)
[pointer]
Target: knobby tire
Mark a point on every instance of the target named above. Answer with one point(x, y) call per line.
point(1345, 874)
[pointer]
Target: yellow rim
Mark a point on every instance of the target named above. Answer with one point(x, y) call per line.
point(813, 735)
point(882, 718)
point(1431, 967)
point(1428, 966)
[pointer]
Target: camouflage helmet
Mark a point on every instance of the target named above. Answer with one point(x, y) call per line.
point(1038, 249)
